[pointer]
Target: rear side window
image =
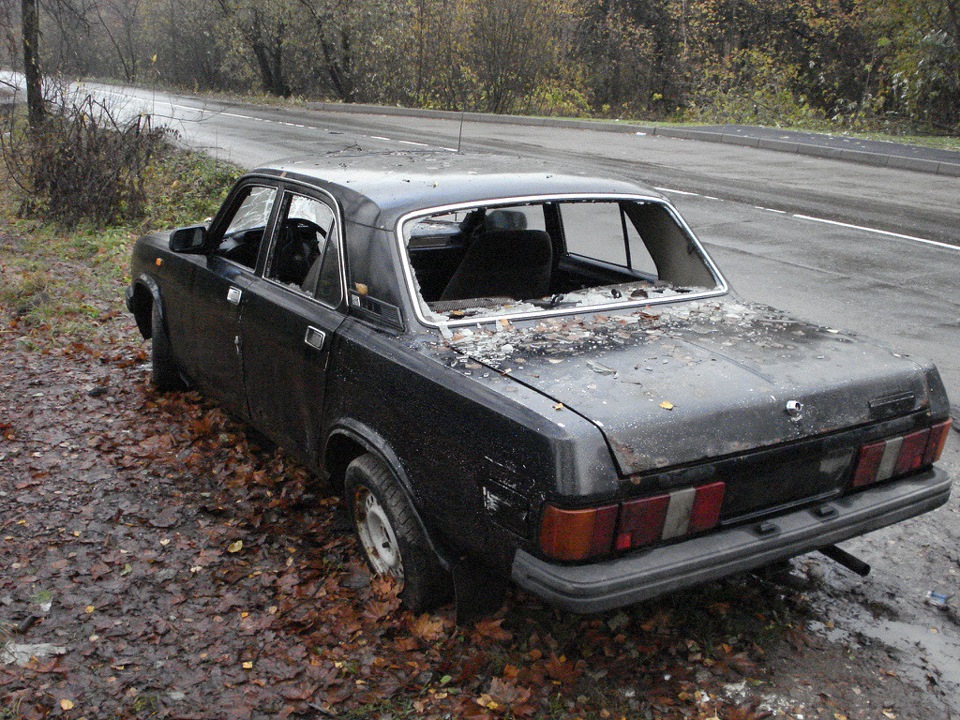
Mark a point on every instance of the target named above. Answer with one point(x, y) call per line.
point(603, 231)
point(552, 256)
point(304, 255)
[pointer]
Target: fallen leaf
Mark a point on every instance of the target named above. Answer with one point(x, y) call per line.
point(666, 405)
point(66, 704)
point(235, 547)
point(428, 628)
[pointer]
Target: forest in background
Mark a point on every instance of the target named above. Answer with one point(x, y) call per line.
point(869, 65)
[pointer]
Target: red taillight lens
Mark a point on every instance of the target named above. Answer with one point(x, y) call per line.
point(577, 534)
point(581, 534)
point(912, 452)
point(900, 455)
point(706, 507)
point(938, 439)
point(868, 464)
point(641, 521)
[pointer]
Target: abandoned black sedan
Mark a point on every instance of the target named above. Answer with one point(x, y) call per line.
point(516, 373)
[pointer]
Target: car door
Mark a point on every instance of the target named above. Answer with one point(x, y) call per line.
point(214, 358)
point(290, 314)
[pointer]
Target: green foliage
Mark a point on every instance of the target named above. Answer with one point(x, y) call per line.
point(185, 188)
point(750, 87)
point(868, 65)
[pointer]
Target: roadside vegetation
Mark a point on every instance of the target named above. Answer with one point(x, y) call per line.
point(76, 192)
point(890, 66)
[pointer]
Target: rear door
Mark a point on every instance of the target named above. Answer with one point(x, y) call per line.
point(290, 314)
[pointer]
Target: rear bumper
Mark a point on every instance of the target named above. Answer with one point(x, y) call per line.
point(645, 574)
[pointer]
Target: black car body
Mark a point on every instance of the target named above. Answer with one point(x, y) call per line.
point(530, 374)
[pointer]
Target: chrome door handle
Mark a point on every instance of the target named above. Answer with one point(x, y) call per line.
point(233, 295)
point(315, 338)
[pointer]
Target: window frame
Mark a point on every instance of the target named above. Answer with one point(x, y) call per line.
point(221, 222)
point(428, 318)
point(286, 193)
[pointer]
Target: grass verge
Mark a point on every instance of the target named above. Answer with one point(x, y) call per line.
point(58, 285)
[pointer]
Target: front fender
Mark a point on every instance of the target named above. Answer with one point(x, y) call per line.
point(142, 296)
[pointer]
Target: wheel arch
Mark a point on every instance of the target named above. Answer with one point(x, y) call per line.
point(145, 294)
point(349, 440)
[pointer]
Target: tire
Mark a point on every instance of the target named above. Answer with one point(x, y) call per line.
point(165, 375)
point(392, 538)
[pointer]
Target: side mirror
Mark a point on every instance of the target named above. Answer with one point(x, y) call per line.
point(189, 240)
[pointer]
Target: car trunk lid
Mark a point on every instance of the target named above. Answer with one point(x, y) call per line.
point(702, 380)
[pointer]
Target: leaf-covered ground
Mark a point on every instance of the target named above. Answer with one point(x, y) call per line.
point(158, 560)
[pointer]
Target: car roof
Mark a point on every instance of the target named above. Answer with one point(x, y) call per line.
point(378, 188)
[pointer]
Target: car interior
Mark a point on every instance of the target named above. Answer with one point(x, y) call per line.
point(486, 256)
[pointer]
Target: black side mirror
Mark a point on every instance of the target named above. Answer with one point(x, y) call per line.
point(189, 240)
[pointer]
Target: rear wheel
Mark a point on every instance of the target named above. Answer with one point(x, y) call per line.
point(165, 375)
point(392, 538)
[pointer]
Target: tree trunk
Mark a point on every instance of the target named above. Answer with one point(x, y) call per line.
point(31, 62)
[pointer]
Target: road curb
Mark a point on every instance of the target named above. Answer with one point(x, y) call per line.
point(896, 162)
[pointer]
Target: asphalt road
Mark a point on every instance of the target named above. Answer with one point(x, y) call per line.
point(868, 249)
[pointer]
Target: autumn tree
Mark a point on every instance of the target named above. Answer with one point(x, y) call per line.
point(71, 44)
point(265, 30)
point(920, 40)
point(122, 23)
point(30, 22)
point(184, 45)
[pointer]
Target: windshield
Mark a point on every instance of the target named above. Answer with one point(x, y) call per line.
point(552, 256)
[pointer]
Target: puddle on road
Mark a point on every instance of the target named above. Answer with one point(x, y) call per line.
point(922, 652)
point(923, 649)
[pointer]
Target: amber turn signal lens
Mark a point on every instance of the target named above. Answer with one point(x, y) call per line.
point(577, 534)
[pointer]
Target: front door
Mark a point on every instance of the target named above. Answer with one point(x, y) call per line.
point(214, 358)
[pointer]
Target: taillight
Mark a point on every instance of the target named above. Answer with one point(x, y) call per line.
point(938, 439)
point(577, 534)
point(581, 534)
point(911, 452)
point(868, 464)
point(899, 455)
point(641, 521)
point(706, 507)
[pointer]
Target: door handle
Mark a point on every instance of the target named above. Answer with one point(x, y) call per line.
point(233, 295)
point(315, 338)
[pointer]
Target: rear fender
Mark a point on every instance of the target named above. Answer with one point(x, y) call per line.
point(371, 441)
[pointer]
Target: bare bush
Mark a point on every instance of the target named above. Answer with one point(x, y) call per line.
point(85, 162)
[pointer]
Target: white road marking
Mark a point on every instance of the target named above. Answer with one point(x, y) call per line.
point(875, 231)
point(849, 226)
point(677, 192)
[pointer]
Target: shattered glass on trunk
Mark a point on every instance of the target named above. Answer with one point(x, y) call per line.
point(676, 384)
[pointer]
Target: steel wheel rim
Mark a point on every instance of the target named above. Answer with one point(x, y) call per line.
point(377, 535)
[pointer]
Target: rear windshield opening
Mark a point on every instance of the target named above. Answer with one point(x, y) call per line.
point(490, 261)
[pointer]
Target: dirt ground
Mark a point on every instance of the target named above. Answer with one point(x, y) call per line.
point(159, 561)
